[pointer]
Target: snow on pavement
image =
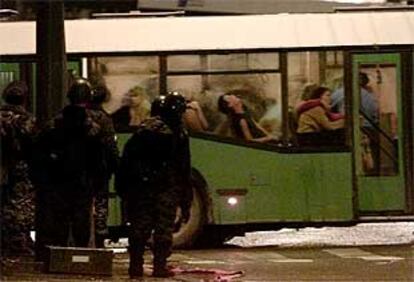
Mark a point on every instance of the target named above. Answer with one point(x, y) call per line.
point(363, 234)
point(358, 235)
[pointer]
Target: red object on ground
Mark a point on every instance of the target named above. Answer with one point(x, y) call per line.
point(220, 275)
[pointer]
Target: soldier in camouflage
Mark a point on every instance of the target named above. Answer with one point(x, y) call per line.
point(69, 154)
point(17, 129)
point(111, 158)
point(154, 179)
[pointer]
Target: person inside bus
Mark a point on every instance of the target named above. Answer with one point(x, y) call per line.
point(369, 110)
point(304, 98)
point(241, 123)
point(306, 94)
point(369, 104)
point(193, 117)
point(135, 108)
point(317, 125)
point(293, 110)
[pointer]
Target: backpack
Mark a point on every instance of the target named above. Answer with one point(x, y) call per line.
point(147, 158)
point(152, 158)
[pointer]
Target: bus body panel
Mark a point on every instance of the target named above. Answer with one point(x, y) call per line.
point(280, 187)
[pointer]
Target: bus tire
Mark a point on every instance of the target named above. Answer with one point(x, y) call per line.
point(187, 234)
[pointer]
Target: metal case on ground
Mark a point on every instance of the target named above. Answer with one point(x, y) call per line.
point(80, 261)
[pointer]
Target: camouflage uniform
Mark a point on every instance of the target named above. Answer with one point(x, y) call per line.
point(69, 152)
point(154, 180)
point(17, 193)
point(101, 181)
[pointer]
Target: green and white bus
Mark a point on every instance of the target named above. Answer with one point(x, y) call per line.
point(269, 59)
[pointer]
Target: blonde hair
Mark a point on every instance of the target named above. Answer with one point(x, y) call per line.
point(136, 91)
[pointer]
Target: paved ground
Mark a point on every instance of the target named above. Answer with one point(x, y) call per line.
point(375, 263)
point(366, 252)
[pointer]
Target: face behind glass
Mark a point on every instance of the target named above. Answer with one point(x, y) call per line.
point(135, 99)
point(326, 98)
point(233, 101)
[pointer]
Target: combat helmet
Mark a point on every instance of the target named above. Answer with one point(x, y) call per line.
point(170, 108)
point(156, 105)
point(80, 91)
point(100, 94)
point(175, 103)
point(15, 93)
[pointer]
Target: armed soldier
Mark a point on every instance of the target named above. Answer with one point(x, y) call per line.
point(69, 154)
point(154, 179)
point(17, 129)
point(100, 182)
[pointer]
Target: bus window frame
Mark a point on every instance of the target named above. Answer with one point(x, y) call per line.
point(285, 145)
point(322, 54)
point(165, 75)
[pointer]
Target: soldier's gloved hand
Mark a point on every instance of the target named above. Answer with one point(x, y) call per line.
point(185, 214)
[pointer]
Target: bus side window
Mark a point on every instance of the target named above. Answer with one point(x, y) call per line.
point(311, 76)
point(241, 120)
point(316, 122)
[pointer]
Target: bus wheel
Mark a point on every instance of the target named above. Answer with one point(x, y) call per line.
point(187, 233)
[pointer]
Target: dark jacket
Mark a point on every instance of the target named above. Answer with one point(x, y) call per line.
point(69, 151)
point(156, 159)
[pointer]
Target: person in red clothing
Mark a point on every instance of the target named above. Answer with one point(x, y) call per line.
point(315, 116)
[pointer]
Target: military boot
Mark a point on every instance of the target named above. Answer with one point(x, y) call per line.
point(99, 240)
point(21, 245)
point(161, 269)
point(136, 262)
point(162, 250)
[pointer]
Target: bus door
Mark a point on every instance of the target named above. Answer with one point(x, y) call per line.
point(378, 134)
